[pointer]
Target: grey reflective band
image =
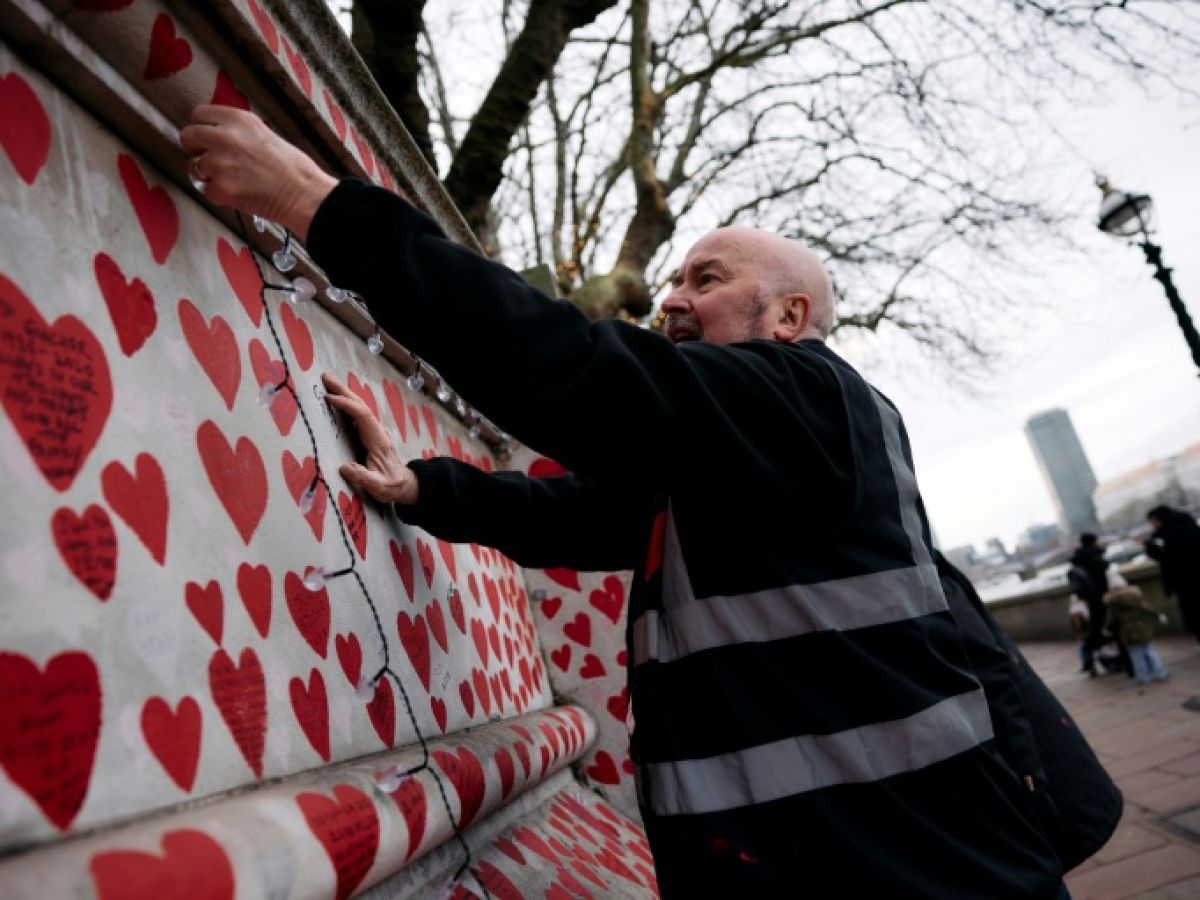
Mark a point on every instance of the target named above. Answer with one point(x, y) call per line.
point(797, 765)
point(840, 605)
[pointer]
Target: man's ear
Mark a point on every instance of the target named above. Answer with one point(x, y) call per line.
point(794, 313)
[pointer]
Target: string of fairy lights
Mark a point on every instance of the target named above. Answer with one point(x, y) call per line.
point(299, 289)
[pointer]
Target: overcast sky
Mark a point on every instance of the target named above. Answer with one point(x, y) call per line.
point(1106, 348)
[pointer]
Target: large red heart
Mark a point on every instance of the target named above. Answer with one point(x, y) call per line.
point(169, 53)
point(24, 127)
point(54, 384)
point(438, 707)
point(299, 68)
point(592, 667)
point(208, 606)
point(431, 424)
point(192, 865)
point(242, 274)
point(550, 606)
point(414, 637)
point(604, 770)
point(271, 372)
point(335, 116)
point(348, 828)
point(410, 799)
point(467, 696)
point(173, 736)
point(266, 26)
point(155, 211)
point(254, 587)
point(447, 551)
point(479, 636)
point(349, 654)
point(354, 516)
point(382, 711)
point(299, 477)
point(49, 726)
point(479, 679)
point(238, 477)
point(610, 598)
point(140, 500)
point(395, 401)
point(240, 695)
point(437, 625)
point(507, 770)
point(298, 336)
point(618, 705)
point(579, 629)
point(425, 555)
point(88, 546)
point(567, 578)
point(311, 706)
point(561, 657)
point(130, 304)
point(364, 393)
point(310, 612)
point(464, 772)
point(456, 611)
point(215, 348)
point(402, 558)
point(225, 93)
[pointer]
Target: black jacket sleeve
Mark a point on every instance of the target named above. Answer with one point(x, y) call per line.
point(565, 521)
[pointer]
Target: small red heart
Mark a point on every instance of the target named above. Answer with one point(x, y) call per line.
point(130, 304)
point(479, 636)
point(618, 705)
point(208, 606)
point(243, 276)
point(254, 587)
point(266, 26)
point(604, 770)
point(456, 611)
point(240, 694)
point(410, 799)
point(579, 629)
point(215, 348)
point(364, 153)
point(354, 516)
point(402, 558)
point(545, 468)
point(140, 500)
point(425, 555)
point(173, 736)
point(349, 654)
point(363, 391)
point(496, 883)
point(335, 116)
point(169, 53)
point(592, 667)
point(562, 657)
point(88, 546)
point(550, 606)
point(467, 696)
point(437, 625)
point(348, 828)
point(225, 93)
point(24, 127)
point(523, 756)
point(438, 707)
point(271, 372)
point(447, 552)
point(238, 477)
point(311, 707)
point(414, 417)
point(431, 424)
point(50, 722)
point(395, 402)
point(463, 771)
point(382, 711)
point(310, 611)
point(299, 477)
point(567, 578)
point(473, 587)
point(56, 370)
point(192, 865)
point(299, 68)
point(610, 598)
point(298, 336)
point(621, 658)
point(414, 637)
point(507, 847)
point(155, 210)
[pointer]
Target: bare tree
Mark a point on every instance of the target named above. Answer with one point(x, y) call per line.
point(889, 134)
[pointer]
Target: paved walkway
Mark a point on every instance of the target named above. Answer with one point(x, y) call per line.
point(1150, 744)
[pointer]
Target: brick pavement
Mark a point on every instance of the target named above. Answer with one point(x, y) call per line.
point(1150, 744)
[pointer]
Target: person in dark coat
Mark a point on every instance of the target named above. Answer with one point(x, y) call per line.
point(1175, 544)
point(1089, 582)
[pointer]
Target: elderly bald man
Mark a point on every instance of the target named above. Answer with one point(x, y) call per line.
point(807, 720)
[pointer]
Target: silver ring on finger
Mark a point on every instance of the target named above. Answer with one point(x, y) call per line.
point(199, 182)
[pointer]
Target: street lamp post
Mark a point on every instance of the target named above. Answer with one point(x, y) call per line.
point(1130, 216)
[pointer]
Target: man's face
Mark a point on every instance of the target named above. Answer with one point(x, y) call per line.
point(717, 296)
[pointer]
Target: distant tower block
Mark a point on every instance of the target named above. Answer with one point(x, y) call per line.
point(1065, 467)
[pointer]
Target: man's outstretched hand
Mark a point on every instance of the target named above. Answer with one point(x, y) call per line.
point(247, 166)
point(385, 477)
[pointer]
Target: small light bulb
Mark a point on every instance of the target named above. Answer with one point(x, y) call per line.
point(416, 381)
point(302, 289)
point(537, 596)
point(259, 223)
point(307, 498)
point(460, 407)
point(473, 432)
point(283, 259)
point(314, 579)
point(443, 392)
point(335, 294)
point(375, 344)
point(365, 689)
point(389, 780)
point(267, 395)
point(198, 183)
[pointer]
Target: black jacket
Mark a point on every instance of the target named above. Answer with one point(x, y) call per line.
point(1176, 546)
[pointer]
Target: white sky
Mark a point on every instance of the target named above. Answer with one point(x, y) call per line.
point(1107, 348)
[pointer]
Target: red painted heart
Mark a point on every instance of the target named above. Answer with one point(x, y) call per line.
point(465, 774)
point(311, 707)
point(438, 707)
point(437, 625)
point(348, 829)
point(410, 799)
point(431, 424)
point(507, 770)
point(354, 516)
point(610, 598)
point(382, 712)
point(298, 336)
point(24, 127)
point(479, 680)
point(447, 553)
point(225, 93)
point(364, 393)
point(215, 348)
point(364, 153)
point(254, 587)
point(592, 667)
point(140, 499)
point(604, 770)
point(579, 629)
point(192, 865)
point(550, 606)
point(240, 694)
point(561, 657)
point(335, 116)
point(130, 304)
point(50, 723)
point(618, 705)
point(425, 555)
point(395, 402)
point(299, 478)
point(310, 611)
point(402, 558)
point(238, 477)
point(153, 206)
point(88, 545)
point(349, 654)
point(567, 578)
point(242, 274)
point(169, 53)
point(54, 385)
point(479, 636)
point(173, 736)
point(208, 606)
point(467, 697)
point(456, 611)
point(299, 68)
point(271, 372)
point(266, 26)
point(414, 637)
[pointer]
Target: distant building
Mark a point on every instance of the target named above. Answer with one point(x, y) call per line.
point(1122, 502)
point(962, 557)
point(1065, 468)
point(1040, 538)
point(994, 551)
